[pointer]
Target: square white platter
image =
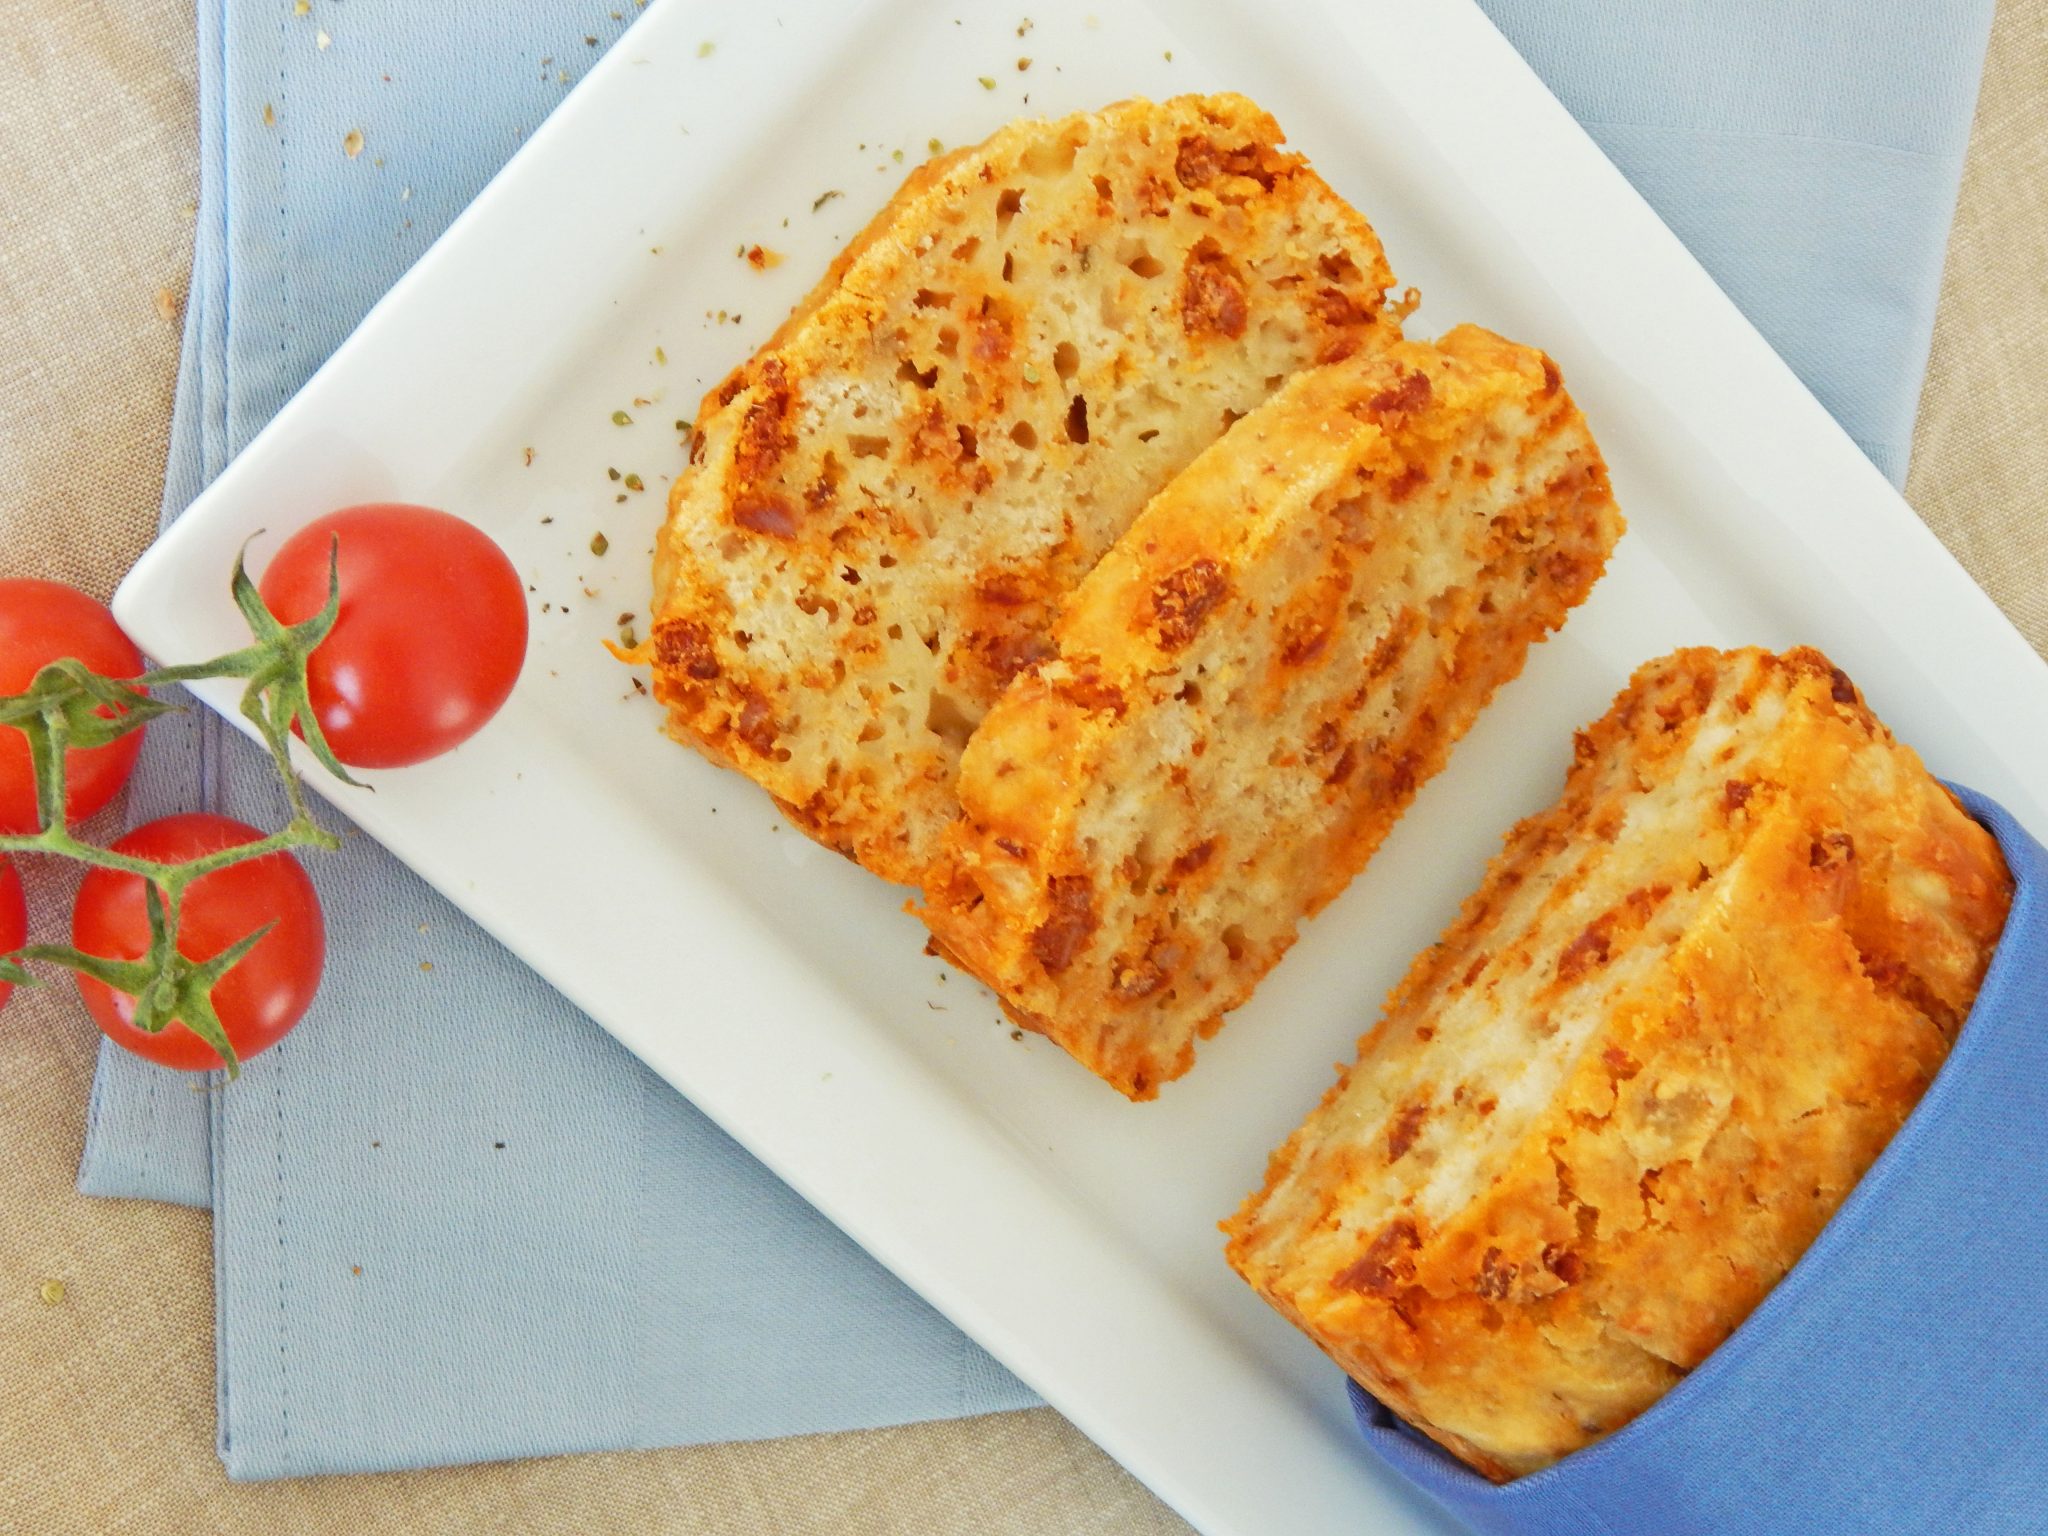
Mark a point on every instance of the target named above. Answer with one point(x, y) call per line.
point(784, 990)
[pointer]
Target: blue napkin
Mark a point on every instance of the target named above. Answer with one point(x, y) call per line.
point(1891, 1385)
point(617, 1273)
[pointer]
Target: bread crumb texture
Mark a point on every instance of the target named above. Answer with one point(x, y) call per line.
point(1686, 1009)
point(1245, 694)
point(886, 505)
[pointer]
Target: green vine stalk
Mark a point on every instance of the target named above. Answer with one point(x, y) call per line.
point(68, 705)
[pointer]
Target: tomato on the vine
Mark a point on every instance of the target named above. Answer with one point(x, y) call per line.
point(42, 622)
point(13, 919)
point(263, 995)
point(430, 634)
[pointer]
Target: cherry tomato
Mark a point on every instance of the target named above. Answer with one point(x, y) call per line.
point(13, 919)
point(42, 622)
point(265, 993)
point(429, 638)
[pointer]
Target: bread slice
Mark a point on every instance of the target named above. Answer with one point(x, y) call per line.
point(1684, 1012)
point(1250, 686)
point(886, 505)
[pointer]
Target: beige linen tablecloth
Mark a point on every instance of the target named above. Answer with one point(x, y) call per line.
point(106, 1395)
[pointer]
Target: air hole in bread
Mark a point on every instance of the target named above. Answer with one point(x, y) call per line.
point(885, 560)
point(1024, 435)
point(1054, 159)
point(895, 632)
point(1102, 189)
point(1009, 267)
point(872, 731)
point(1190, 692)
point(931, 642)
point(1139, 258)
point(970, 445)
point(1231, 418)
point(1066, 360)
point(949, 342)
point(909, 372)
point(1235, 942)
point(965, 250)
point(1077, 419)
point(1148, 434)
point(1141, 864)
point(946, 719)
point(1007, 207)
point(863, 447)
point(932, 298)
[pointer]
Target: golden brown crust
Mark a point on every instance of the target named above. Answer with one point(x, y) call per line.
point(1248, 689)
point(886, 505)
point(1684, 1012)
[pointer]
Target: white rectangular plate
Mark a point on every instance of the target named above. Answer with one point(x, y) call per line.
point(784, 990)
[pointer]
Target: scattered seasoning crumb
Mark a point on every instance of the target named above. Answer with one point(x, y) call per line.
point(987, 84)
point(52, 1292)
point(760, 258)
point(405, 196)
point(322, 40)
point(352, 143)
point(300, 7)
point(1024, 26)
point(355, 1269)
point(529, 458)
point(599, 543)
point(621, 419)
point(1016, 1034)
point(611, 474)
point(1169, 55)
point(190, 210)
point(934, 146)
point(635, 483)
point(589, 41)
point(936, 1007)
point(642, 400)
point(269, 115)
point(166, 304)
point(544, 521)
point(378, 1143)
point(638, 686)
point(499, 1145)
point(624, 619)
point(590, 592)
point(683, 426)
point(544, 63)
point(628, 638)
point(426, 965)
point(704, 49)
point(661, 357)
point(620, 497)
point(561, 77)
point(547, 607)
point(423, 929)
point(825, 197)
point(1022, 65)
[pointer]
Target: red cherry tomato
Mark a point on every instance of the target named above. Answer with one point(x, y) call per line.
point(42, 622)
point(266, 992)
point(13, 919)
point(430, 635)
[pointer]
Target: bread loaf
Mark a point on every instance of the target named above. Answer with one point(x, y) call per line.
point(885, 507)
point(1247, 690)
point(1599, 1120)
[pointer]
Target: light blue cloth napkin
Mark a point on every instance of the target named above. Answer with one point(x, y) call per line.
point(1891, 1385)
point(617, 1273)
